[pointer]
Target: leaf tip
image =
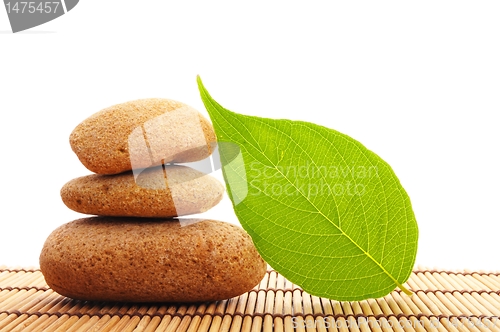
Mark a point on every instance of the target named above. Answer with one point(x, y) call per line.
point(201, 88)
point(199, 82)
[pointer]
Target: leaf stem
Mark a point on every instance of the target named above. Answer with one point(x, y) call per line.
point(405, 290)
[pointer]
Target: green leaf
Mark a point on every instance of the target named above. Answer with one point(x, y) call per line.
point(322, 209)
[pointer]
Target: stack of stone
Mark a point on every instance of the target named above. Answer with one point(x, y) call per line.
point(134, 249)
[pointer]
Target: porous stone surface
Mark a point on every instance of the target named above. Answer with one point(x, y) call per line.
point(148, 260)
point(157, 192)
point(142, 133)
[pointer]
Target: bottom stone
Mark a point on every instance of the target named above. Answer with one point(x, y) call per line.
point(150, 260)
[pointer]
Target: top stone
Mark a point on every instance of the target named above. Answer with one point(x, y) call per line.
point(142, 133)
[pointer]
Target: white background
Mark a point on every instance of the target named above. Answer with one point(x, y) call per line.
point(418, 83)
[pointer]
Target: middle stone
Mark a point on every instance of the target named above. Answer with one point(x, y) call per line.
point(157, 192)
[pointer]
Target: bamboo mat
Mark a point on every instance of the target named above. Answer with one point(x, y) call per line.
point(442, 301)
